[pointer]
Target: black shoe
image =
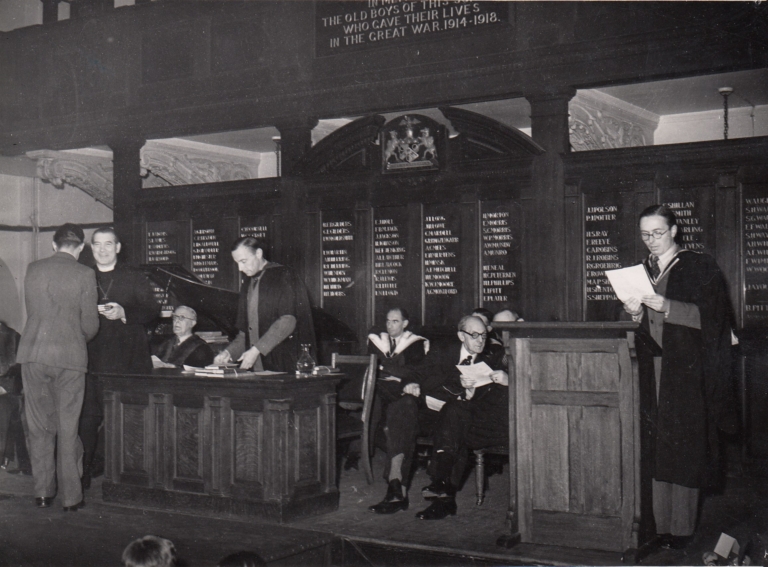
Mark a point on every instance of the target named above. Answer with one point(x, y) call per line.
point(44, 501)
point(439, 509)
point(394, 501)
point(75, 507)
point(674, 542)
point(86, 480)
point(438, 489)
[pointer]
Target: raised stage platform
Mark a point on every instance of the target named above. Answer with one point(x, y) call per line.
point(350, 536)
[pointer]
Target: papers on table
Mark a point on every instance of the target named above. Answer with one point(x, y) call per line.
point(630, 282)
point(480, 373)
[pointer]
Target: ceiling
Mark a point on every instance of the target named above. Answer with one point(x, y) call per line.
point(674, 96)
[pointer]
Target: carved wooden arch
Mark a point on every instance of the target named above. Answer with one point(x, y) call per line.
point(350, 148)
point(481, 137)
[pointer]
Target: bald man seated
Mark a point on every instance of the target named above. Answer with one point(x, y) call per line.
point(185, 347)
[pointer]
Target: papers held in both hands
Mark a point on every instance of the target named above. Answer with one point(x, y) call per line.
point(630, 282)
point(480, 373)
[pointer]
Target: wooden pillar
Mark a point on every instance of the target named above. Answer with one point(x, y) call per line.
point(544, 238)
point(126, 158)
point(295, 142)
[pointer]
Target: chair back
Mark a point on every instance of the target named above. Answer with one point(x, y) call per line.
point(367, 394)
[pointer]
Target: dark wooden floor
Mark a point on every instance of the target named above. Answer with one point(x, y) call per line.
point(97, 535)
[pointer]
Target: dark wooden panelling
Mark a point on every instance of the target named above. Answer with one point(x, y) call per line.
point(307, 439)
point(133, 438)
point(248, 440)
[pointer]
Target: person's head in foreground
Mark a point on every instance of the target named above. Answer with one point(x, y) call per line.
point(150, 551)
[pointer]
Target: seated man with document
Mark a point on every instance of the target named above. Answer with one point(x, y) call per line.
point(440, 380)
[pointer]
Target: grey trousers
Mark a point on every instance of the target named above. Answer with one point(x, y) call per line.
point(675, 508)
point(54, 398)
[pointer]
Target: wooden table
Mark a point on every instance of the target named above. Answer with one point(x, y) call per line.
point(255, 446)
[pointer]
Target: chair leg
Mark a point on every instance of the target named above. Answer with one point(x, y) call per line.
point(480, 476)
point(365, 452)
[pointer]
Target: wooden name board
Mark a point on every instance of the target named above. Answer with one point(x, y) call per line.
point(165, 244)
point(341, 27)
point(610, 235)
point(695, 212)
point(442, 234)
point(338, 255)
point(211, 257)
point(499, 256)
point(754, 219)
point(391, 247)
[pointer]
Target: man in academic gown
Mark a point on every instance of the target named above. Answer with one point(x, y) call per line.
point(689, 318)
point(274, 317)
point(184, 347)
point(126, 306)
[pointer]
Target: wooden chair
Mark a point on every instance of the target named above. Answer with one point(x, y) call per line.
point(349, 429)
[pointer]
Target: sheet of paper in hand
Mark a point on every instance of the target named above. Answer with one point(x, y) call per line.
point(630, 282)
point(481, 373)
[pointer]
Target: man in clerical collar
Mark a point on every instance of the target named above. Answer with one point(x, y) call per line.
point(274, 317)
point(126, 306)
point(184, 347)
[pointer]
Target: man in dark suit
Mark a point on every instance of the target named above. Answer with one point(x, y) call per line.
point(418, 410)
point(476, 419)
point(61, 318)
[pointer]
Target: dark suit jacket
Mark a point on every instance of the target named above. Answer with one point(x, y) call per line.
point(438, 375)
point(61, 313)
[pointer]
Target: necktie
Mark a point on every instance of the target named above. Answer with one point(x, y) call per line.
point(392, 346)
point(467, 361)
point(655, 270)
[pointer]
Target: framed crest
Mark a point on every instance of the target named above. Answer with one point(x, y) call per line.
point(411, 142)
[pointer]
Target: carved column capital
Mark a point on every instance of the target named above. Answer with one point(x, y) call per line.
point(90, 173)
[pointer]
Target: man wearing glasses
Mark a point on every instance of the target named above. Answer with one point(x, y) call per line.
point(477, 418)
point(418, 411)
point(184, 347)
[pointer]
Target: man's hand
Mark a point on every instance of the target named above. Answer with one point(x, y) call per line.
point(633, 306)
point(248, 358)
point(222, 358)
point(113, 311)
point(467, 382)
point(412, 389)
point(500, 377)
point(656, 302)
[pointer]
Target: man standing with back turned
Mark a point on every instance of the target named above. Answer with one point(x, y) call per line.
point(62, 317)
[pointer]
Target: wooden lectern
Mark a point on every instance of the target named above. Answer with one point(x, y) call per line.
point(574, 429)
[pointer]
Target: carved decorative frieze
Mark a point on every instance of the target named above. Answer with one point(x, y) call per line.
point(92, 172)
point(182, 162)
point(163, 163)
point(599, 121)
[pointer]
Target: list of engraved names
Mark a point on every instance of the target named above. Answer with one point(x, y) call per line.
point(389, 254)
point(440, 257)
point(338, 238)
point(601, 253)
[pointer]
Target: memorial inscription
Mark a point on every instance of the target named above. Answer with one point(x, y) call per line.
point(442, 263)
point(498, 258)
point(755, 257)
point(206, 249)
point(338, 247)
point(349, 26)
